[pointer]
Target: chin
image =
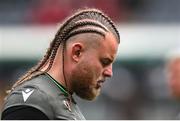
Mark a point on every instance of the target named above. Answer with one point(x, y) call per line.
point(91, 95)
point(90, 98)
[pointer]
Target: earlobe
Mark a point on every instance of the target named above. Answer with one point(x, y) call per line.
point(76, 51)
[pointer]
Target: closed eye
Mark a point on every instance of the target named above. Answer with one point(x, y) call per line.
point(106, 61)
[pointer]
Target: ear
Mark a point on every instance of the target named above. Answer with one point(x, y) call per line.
point(77, 50)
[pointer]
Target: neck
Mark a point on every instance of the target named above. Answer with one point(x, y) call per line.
point(56, 72)
point(59, 77)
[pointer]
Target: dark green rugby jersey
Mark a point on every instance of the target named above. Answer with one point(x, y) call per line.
point(47, 96)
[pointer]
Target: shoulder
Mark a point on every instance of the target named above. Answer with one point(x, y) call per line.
point(30, 94)
point(42, 94)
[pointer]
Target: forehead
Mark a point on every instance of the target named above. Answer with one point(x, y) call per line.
point(109, 46)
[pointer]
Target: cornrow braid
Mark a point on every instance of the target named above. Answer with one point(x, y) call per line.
point(63, 59)
point(81, 24)
point(93, 14)
point(53, 55)
point(84, 31)
point(108, 22)
point(28, 75)
point(83, 21)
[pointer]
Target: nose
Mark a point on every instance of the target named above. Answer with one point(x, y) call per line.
point(108, 71)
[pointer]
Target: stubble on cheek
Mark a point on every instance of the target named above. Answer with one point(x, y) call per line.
point(84, 82)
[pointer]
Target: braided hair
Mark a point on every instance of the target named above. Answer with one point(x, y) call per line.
point(83, 21)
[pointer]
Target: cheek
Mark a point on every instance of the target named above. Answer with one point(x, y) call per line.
point(91, 71)
point(91, 67)
point(83, 73)
point(87, 72)
point(95, 69)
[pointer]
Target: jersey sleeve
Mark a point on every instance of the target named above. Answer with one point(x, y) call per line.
point(23, 113)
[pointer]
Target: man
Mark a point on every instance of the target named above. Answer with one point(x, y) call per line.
point(173, 66)
point(78, 61)
point(174, 72)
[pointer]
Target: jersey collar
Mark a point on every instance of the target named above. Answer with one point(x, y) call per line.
point(61, 87)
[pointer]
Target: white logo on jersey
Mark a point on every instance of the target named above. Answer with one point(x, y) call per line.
point(66, 103)
point(26, 94)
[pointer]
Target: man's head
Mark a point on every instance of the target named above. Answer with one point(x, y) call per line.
point(90, 58)
point(174, 72)
point(90, 53)
point(87, 43)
